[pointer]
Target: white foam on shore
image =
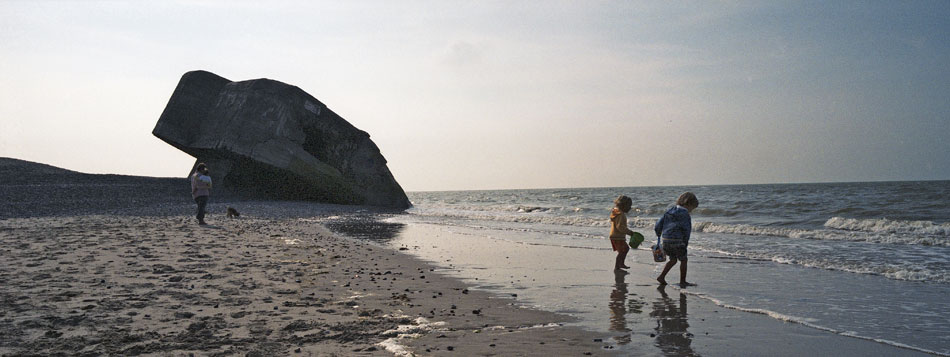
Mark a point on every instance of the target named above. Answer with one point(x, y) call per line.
point(421, 326)
point(807, 322)
point(392, 346)
point(414, 330)
point(547, 325)
point(291, 241)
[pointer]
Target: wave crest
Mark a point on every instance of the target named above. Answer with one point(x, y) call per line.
point(892, 235)
point(884, 225)
point(577, 220)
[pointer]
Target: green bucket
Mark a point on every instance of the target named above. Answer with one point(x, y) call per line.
point(635, 240)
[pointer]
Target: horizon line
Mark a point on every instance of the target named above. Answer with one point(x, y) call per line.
point(556, 188)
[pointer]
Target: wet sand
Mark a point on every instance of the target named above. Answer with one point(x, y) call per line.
point(630, 311)
point(263, 284)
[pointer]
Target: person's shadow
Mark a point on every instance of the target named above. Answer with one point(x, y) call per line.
point(672, 336)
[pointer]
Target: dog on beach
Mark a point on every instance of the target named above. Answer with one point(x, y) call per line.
point(233, 213)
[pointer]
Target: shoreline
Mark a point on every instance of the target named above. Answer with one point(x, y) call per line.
point(278, 281)
point(634, 314)
point(267, 283)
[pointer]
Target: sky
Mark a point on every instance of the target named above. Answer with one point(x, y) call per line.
point(464, 95)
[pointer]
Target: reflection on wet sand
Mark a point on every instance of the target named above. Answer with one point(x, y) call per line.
point(621, 305)
point(672, 336)
point(365, 227)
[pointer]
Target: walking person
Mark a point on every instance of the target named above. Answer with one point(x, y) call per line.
point(674, 228)
point(201, 190)
point(619, 230)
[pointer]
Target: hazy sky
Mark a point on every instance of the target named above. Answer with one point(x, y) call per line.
point(485, 94)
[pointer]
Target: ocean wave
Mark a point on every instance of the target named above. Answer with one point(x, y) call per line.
point(709, 212)
point(910, 272)
point(884, 225)
point(578, 220)
point(568, 206)
point(752, 230)
point(877, 231)
point(906, 236)
point(474, 224)
point(460, 210)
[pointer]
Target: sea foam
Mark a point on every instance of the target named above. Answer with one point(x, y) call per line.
point(884, 225)
point(873, 231)
point(842, 229)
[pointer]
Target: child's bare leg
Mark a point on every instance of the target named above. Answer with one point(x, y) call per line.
point(666, 269)
point(620, 258)
point(683, 282)
point(683, 272)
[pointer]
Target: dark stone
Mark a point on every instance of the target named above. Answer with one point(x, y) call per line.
point(264, 138)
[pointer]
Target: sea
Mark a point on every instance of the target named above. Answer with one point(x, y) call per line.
point(869, 261)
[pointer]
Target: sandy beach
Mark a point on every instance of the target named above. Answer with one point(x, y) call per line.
point(160, 284)
point(265, 285)
point(117, 265)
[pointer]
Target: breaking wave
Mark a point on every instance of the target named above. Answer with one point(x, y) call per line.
point(882, 231)
point(884, 225)
point(530, 215)
point(844, 229)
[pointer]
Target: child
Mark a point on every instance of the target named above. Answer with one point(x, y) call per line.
point(674, 228)
point(619, 230)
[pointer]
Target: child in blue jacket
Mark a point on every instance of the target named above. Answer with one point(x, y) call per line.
point(674, 229)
